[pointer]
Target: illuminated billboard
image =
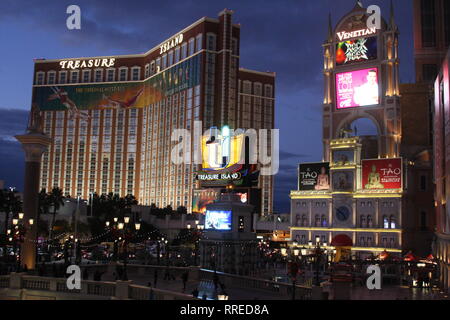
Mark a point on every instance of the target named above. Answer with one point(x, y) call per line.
point(202, 198)
point(223, 160)
point(356, 50)
point(79, 98)
point(357, 88)
point(218, 220)
point(314, 176)
point(382, 174)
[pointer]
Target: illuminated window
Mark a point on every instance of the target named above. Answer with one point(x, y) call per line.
point(385, 222)
point(392, 222)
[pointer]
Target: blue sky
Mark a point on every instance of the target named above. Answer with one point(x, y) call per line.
point(284, 36)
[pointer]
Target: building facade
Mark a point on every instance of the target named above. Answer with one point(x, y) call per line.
point(431, 37)
point(365, 188)
point(442, 170)
point(111, 118)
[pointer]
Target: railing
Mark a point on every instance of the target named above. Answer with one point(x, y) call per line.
point(284, 289)
point(4, 281)
point(57, 288)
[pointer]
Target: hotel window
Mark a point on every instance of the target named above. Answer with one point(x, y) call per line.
point(164, 62)
point(152, 68)
point(177, 54)
point(51, 77)
point(423, 182)
point(62, 77)
point(74, 76)
point(183, 51)
point(385, 222)
point(147, 70)
point(40, 77)
point(86, 75)
point(317, 224)
point(135, 73)
point(247, 87)
point(123, 74)
point(110, 75)
point(324, 221)
point(268, 91)
point(98, 75)
point(304, 220)
point(170, 59)
point(428, 20)
point(234, 46)
point(363, 221)
point(199, 40)
point(392, 222)
point(423, 220)
point(191, 46)
point(369, 221)
point(429, 72)
point(158, 65)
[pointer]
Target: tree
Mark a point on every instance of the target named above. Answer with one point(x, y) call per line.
point(56, 200)
point(182, 210)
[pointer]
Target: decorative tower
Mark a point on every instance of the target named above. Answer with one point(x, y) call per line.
point(34, 143)
point(362, 80)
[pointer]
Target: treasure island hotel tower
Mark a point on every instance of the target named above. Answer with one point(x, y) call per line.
point(111, 118)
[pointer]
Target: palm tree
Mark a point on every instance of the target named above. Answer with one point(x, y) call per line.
point(56, 200)
point(10, 203)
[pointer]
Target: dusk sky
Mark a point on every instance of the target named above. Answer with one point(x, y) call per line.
point(284, 36)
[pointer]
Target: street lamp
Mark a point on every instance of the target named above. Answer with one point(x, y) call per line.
point(31, 222)
point(21, 214)
point(116, 219)
point(137, 225)
point(107, 223)
point(126, 219)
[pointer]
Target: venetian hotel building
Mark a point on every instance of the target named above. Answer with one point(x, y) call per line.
point(111, 118)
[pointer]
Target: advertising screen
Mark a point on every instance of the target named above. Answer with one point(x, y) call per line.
point(356, 50)
point(314, 176)
point(202, 198)
point(382, 174)
point(357, 88)
point(218, 220)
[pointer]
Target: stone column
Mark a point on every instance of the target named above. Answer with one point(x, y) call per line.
point(34, 145)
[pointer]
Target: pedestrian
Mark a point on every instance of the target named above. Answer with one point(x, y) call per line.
point(184, 278)
point(195, 293)
point(155, 277)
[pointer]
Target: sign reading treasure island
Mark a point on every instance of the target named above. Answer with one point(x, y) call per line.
point(314, 176)
point(382, 174)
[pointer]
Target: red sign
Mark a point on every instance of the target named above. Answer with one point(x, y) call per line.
point(382, 174)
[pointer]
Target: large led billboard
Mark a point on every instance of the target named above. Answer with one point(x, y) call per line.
point(356, 50)
point(382, 174)
point(218, 220)
point(78, 98)
point(357, 88)
point(314, 176)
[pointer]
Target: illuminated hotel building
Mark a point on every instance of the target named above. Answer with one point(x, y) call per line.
point(111, 118)
point(364, 194)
